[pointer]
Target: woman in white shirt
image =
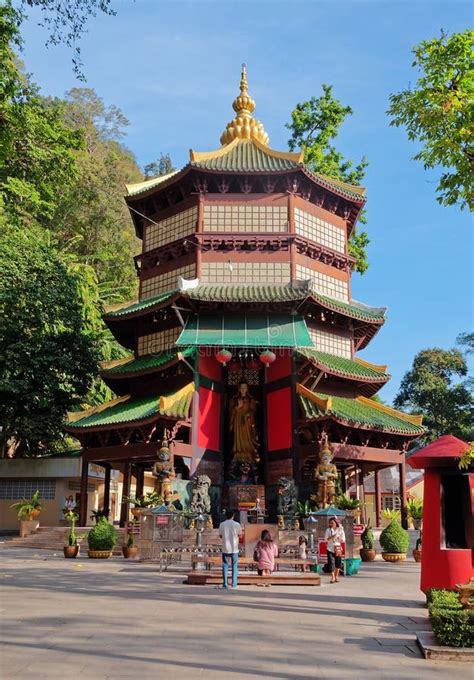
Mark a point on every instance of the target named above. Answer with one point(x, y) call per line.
point(334, 538)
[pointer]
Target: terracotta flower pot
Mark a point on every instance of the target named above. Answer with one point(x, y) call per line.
point(394, 557)
point(129, 552)
point(70, 551)
point(367, 554)
point(417, 555)
point(99, 554)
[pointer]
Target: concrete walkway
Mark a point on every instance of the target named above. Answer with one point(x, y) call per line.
point(96, 619)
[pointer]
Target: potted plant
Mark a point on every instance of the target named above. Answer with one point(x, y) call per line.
point(130, 550)
point(352, 505)
point(72, 548)
point(367, 552)
point(394, 541)
point(417, 549)
point(28, 510)
point(101, 539)
point(303, 510)
point(97, 515)
point(415, 511)
point(140, 503)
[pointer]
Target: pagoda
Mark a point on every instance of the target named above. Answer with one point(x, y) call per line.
point(244, 338)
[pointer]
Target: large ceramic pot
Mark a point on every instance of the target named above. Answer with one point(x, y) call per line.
point(99, 554)
point(367, 554)
point(129, 552)
point(416, 523)
point(394, 557)
point(417, 555)
point(70, 551)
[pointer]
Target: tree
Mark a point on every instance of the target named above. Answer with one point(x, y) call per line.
point(439, 115)
point(163, 166)
point(466, 340)
point(66, 22)
point(430, 388)
point(47, 361)
point(314, 125)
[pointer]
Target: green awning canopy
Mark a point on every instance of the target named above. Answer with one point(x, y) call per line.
point(245, 330)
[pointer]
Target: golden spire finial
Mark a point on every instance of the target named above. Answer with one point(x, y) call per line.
point(325, 446)
point(244, 126)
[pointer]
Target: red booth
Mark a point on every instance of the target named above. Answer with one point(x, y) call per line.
point(448, 504)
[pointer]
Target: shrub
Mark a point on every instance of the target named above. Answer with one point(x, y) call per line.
point(446, 599)
point(394, 539)
point(453, 627)
point(367, 538)
point(103, 536)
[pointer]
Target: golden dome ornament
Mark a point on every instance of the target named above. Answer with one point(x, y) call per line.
point(244, 126)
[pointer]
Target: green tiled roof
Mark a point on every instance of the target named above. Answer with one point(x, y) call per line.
point(135, 409)
point(245, 330)
point(257, 293)
point(146, 362)
point(357, 413)
point(139, 306)
point(246, 156)
point(342, 366)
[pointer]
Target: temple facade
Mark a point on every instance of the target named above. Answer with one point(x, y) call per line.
point(244, 338)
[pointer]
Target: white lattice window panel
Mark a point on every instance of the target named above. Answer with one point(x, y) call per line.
point(323, 283)
point(157, 342)
point(245, 218)
point(164, 282)
point(15, 489)
point(171, 229)
point(245, 272)
point(331, 342)
point(391, 502)
point(319, 230)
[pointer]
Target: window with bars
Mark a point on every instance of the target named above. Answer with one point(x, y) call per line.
point(16, 489)
point(324, 284)
point(319, 230)
point(245, 218)
point(164, 282)
point(391, 503)
point(171, 229)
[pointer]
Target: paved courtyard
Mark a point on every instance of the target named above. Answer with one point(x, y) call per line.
point(113, 619)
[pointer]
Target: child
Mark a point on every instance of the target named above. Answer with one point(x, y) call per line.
point(302, 547)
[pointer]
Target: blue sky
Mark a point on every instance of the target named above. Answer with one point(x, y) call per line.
point(173, 68)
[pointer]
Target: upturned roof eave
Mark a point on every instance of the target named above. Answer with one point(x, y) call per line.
point(156, 417)
point(361, 426)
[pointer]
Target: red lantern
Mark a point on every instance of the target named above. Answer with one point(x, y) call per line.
point(253, 364)
point(223, 356)
point(234, 366)
point(267, 357)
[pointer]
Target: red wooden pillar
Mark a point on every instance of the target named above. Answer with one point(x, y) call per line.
point(360, 490)
point(378, 497)
point(127, 477)
point(83, 493)
point(403, 492)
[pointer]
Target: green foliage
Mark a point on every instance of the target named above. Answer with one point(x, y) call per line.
point(438, 113)
point(103, 536)
point(467, 459)
point(163, 166)
point(440, 597)
point(415, 508)
point(367, 538)
point(452, 627)
point(394, 539)
point(25, 507)
point(344, 503)
point(151, 499)
point(314, 125)
point(71, 518)
point(304, 508)
point(392, 515)
point(46, 360)
point(466, 340)
point(429, 388)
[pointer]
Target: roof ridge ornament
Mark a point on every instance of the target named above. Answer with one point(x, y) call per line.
point(244, 126)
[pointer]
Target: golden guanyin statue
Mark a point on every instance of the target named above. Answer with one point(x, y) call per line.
point(242, 410)
point(325, 475)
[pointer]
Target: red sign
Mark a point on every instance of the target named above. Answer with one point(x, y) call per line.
point(358, 529)
point(161, 519)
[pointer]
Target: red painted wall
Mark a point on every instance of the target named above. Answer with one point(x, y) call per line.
point(279, 422)
point(210, 367)
point(208, 435)
point(281, 367)
point(440, 567)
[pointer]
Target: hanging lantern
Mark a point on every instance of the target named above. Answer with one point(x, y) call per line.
point(234, 366)
point(253, 364)
point(267, 357)
point(223, 356)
